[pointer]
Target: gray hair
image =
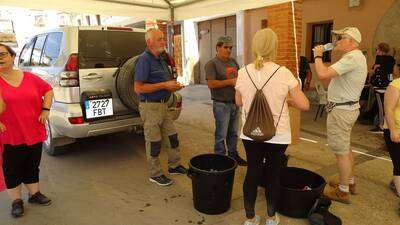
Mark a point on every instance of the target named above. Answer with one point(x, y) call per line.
point(149, 33)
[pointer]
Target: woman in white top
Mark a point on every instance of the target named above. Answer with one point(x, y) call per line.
point(264, 48)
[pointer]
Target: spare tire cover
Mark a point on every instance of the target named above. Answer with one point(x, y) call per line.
point(125, 78)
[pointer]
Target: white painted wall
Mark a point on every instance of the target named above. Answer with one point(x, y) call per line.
point(190, 51)
point(240, 38)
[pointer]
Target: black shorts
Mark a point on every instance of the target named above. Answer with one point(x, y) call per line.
point(394, 151)
point(21, 164)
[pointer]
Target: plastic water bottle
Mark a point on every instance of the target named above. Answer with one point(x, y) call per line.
point(328, 47)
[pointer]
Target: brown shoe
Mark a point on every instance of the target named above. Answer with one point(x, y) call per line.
point(352, 187)
point(336, 194)
point(40, 199)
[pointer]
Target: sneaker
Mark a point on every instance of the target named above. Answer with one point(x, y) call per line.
point(239, 160)
point(161, 180)
point(337, 195)
point(376, 130)
point(335, 183)
point(316, 219)
point(255, 221)
point(17, 208)
point(39, 198)
point(177, 170)
point(273, 221)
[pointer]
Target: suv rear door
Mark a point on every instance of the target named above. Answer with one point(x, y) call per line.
point(100, 54)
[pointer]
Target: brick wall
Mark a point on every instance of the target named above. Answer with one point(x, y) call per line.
point(178, 53)
point(280, 19)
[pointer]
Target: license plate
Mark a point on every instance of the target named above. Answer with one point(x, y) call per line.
point(98, 108)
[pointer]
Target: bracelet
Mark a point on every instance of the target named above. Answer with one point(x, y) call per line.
point(316, 57)
point(46, 109)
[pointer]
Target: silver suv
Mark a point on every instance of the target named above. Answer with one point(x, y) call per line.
point(91, 70)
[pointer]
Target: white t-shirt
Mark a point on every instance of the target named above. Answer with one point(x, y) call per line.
point(275, 92)
point(352, 70)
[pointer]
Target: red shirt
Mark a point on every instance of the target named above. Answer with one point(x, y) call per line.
point(23, 108)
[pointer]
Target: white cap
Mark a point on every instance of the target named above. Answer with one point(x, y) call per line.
point(350, 31)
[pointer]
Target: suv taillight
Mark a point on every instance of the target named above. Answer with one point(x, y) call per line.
point(76, 120)
point(69, 77)
point(72, 63)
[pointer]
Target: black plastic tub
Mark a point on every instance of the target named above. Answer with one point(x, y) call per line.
point(299, 190)
point(212, 182)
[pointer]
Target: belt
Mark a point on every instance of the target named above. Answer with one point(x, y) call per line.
point(345, 103)
point(231, 101)
point(154, 100)
point(329, 107)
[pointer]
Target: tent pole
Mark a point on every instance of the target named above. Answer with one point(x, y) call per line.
point(156, 6)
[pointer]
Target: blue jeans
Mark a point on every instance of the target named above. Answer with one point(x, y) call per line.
point(226, 127)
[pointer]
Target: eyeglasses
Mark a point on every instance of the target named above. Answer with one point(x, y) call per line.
point(4, 54)
point(228, 47)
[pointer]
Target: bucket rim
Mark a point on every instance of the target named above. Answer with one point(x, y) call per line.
point(214, 172)
point(294, 189)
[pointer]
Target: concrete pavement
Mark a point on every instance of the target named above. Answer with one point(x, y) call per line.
point(103, 180)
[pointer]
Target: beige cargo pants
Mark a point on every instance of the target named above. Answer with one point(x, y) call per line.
point(159, 130)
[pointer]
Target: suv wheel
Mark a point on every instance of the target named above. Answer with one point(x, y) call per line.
point(48, 144)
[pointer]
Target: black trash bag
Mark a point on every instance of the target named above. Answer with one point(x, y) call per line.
point(320, 215)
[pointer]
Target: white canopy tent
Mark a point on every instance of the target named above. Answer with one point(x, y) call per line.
point(146, 9)
point(186, 11)
point(189, 11)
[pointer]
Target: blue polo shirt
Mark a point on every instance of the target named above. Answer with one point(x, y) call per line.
point(152, 69)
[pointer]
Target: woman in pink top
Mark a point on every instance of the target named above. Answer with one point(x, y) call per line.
point(267, 156)
point(27, 100)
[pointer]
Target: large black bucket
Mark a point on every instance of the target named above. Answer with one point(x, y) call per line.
point(299, 190)
point(212, 182)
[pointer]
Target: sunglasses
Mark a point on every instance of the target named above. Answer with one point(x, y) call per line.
point(4, 54)
point(341, 37)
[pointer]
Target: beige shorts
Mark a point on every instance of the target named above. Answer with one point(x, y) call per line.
point(339, 125)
